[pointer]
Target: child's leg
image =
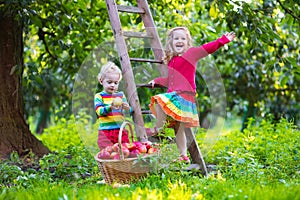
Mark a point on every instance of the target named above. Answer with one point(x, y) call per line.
point(160, 121)
point(104, 139)
point(181, 139)
point(160, 117)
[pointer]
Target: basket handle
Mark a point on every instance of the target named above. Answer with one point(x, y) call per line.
point(120, 136)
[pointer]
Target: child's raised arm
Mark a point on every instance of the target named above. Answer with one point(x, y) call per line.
point(196, 53)
point(230, 36)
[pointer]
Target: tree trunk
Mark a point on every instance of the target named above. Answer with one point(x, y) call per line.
point(14, 131)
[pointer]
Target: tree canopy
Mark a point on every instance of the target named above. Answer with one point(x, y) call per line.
point(260, 70)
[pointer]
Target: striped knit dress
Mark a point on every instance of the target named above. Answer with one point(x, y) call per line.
point(109, 118)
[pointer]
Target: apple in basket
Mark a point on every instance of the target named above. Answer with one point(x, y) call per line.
point(113, 154)
point(129, 146)
point(134, 153)
point(125, 151)
point(116, 157)
point(104, 154)
point(109, 149)
point(115, 147)
point(142, 148)
point(137, 143)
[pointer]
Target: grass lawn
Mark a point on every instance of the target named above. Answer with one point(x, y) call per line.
point(260, 163)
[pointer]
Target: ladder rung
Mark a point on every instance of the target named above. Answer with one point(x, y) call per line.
point(146, 112)
point(130, 9)
point(149, 86)
point(136, 34)
point(145, 60)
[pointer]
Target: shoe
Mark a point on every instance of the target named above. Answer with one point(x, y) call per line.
point(182, 159)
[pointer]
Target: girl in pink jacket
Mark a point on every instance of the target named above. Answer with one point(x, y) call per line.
point(178, 104)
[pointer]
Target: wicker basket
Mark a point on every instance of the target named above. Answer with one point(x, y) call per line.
point(125, 170)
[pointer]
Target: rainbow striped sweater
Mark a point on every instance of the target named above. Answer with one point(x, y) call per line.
point(109, 118)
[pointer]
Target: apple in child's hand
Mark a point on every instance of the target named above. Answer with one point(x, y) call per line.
point(117, 101)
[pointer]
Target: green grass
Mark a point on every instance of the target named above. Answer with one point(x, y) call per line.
point(261, 163)
point(154, 187)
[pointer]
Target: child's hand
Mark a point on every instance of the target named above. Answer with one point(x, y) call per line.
point(115, 107)
point(126, 106)
point(230, 36)
point(152, 83)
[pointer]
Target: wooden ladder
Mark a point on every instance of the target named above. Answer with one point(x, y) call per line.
point(143, 10)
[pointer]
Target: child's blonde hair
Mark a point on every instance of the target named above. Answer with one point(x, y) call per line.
point(169, 52)
point(109, 67)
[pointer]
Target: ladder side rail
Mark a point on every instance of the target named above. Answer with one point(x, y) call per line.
point(158, 51)
point(151, 29)
point(194, 150)
point(130, 85)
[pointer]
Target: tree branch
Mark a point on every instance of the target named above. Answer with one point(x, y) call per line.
point(288, 11)
point(41, 35)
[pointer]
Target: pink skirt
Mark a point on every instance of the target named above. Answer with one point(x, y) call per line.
point(110, 137)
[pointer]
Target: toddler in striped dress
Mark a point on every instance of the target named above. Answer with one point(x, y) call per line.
point(109, 106)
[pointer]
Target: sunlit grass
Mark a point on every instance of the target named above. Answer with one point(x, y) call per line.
point(261, 163)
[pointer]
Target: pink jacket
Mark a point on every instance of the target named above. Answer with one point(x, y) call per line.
point(182, 69)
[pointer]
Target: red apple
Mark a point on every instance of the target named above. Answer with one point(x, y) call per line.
point(148, 144)
point(134, 153)
point(125, 144)
point(116, 157)
point(104, 154)
point(115, 147)
point(109, 149)
point(137, 144)
point(151, 150)
point(125, 151)
point(132, 147)
point(142, 148)
point(113, 154)
point(129, 146)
